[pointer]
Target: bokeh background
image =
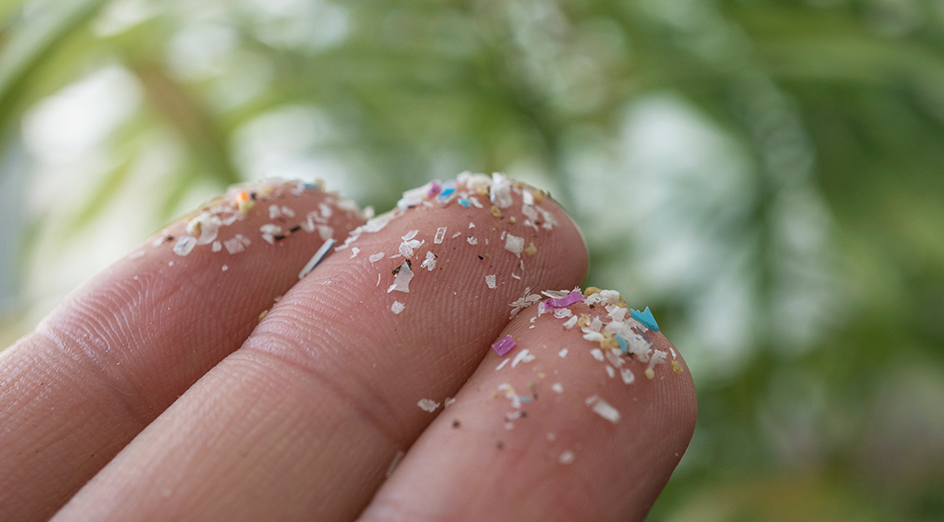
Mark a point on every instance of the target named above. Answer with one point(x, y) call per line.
point(767, 175)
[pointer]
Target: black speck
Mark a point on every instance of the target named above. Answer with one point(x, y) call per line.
point(455, 423)
point(482, 258)
point(278, 238)
point(409, 264)
point(252, 195)
point(294, 229)
point(524, 415)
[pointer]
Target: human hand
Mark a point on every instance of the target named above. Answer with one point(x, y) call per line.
point(160, 390)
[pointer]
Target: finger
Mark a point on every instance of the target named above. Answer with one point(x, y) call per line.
point(303, 420)
point(125, 345)
point(548, 434)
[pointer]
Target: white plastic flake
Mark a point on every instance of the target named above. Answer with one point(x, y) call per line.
point(514, 244)
point(397, 307)
point(490, 281)
point(440, 234)
point(184, 245)
point(500, 191)
point(428, 405)
point(430, 262)
point(603, 409)
point(401, 282)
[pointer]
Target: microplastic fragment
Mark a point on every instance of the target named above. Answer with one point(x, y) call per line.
point(597, 354)
point(627, 375)
point(650, 373)
point(623, 345)
point(645, 317)
point(430, 262)
point(465, 202)
point(475, 202)
point(557, 387)
point(673, 352)
point(393, 465)
point(603, 409)
point(315, 259)
point(490, 281)
point(514, 244)
point(516, 276)
point(610, 371)
point(325, 232)
point(205, 227)
point(504, 345)
point(217, 246)
point(472, 240)
point(566, 457)
point(354, 252)
point(325, 210)
point(471, 224)
point(397, 307)
point(500, 191)
point(410, 235)
point(676, 367)
point(224, 268)
point(562, 313)
point(449, 402)
point(502, 365)
point(523, 356)
point(658, 357)
point(570, 323)
point(401, 282)
point(562, 302)
point(274, 211)
point(440, 234)
point(237, 244)
point(135, 255)
point(170, 263)
point(562, 353)
point(428, 405)
point(184, 245)
point(376, 257)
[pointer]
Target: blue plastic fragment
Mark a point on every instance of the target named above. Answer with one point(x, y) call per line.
point(465, 202)
point(645, 317)
point(310, 186)
point(624, 346)
point(446, 193)
point(522, 398)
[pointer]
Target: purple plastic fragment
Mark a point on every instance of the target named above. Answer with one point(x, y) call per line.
point(563, 302)
point(503, 345)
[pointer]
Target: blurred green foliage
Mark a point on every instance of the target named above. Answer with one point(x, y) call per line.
point(830, 232)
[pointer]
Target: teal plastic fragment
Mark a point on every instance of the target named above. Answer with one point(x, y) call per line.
point(465, 203)
point(645, 317)
point(624, 346)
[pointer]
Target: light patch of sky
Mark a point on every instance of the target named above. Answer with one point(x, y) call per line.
point(118, 17)
point(199, 49)
point(299, 24)
point(658, 189)
point(284, 143)
point(63, 135)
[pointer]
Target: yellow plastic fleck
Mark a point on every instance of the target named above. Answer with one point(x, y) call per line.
point(263, 314)
point(650, 374)
point(496, 211)
point(512, 220)
point(676, 367)
point(538, 196)
point(531, 250)
point(584, 320)
point(245, 206)
point(609, 342)
point(590, 291)
point(481, 190)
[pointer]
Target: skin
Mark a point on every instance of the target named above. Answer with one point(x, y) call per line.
point(155, 392)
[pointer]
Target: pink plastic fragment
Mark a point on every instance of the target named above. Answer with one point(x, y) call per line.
point(562, 302)
point(504, 345)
